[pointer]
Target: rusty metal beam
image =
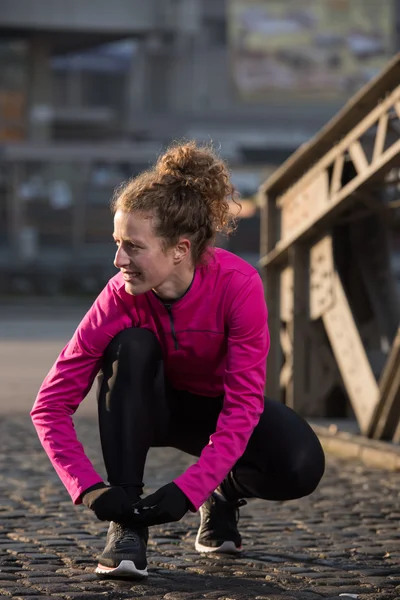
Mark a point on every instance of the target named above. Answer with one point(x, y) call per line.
point(351, 358)
point(328, 301)
point(335, 205)
point(339, 126)
point(324, 182)
point(387, 414)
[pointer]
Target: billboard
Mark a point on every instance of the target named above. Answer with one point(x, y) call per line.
point(297, 49)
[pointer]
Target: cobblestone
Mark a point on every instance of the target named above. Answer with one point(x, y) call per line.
point(345, 538)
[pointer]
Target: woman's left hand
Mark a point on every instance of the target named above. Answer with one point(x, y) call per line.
point(167, 504)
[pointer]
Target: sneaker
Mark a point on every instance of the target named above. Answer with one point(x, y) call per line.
point(125, 553)
point(218, 531)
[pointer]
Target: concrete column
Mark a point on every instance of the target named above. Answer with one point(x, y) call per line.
point(397, 25)
point(40, 90)
point(191, 34)
point(15, 211)
point(74, 89)
point(182, 74)
point(158, 71)
point(149, 80)
point(79, 185)
point(201, 68)
point(136, 95)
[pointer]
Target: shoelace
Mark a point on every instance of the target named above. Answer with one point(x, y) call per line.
point(127, 535)
point(240, 503)
point(236, 505)
point(227, 505)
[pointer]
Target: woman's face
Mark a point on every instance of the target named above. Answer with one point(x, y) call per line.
point(140, 255)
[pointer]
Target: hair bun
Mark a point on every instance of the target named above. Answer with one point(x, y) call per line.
point(188, 164)
point(202, 170)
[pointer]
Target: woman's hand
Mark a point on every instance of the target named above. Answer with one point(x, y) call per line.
point(167, 504)
point(108, 503)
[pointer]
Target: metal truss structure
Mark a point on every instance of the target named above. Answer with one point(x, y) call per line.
point(326, 231)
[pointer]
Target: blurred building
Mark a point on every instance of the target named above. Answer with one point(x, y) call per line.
point(92, 91)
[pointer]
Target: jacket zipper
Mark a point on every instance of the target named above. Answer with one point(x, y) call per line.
point(171, 320)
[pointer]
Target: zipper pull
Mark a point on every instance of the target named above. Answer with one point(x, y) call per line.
point(171, 320)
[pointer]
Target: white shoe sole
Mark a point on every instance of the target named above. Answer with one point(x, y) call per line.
point(225, 548)
point(126, 568)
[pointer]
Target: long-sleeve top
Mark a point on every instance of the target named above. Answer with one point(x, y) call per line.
point(214, 341)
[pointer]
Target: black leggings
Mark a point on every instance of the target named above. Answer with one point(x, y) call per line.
point(139, 410)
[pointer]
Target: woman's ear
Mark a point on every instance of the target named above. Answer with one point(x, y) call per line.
point(182, 250)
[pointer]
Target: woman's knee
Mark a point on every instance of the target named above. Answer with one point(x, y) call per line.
point(134, 343)
point(307, 473)
point(290, 480)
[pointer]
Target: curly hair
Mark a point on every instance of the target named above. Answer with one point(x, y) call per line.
point(188, 190)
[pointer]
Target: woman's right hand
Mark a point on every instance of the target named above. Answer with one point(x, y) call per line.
point(108, 503)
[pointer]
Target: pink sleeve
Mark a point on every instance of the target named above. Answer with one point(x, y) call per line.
point(67, 384)
point(248, 345)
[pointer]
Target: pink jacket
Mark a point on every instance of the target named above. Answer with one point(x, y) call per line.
point(221, 347)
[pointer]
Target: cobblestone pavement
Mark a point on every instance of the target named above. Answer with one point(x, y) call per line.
point(344, 539)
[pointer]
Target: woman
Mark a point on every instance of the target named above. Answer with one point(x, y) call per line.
point(180, 338)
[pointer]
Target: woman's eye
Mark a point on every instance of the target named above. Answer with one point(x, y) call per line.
point(130, 245)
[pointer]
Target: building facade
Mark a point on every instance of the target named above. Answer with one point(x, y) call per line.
point(89, 96)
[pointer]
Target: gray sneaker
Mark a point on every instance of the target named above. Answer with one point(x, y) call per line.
point(124, 554)
point(218, 531)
